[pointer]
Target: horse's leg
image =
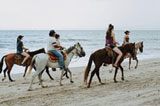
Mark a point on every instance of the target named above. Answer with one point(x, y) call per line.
point(129, 63)
point(70, 74)
point(122, 72)
point(4, 73)
point(25, 71)
point(47, 71)
point(40, 79)
point(33, 77)
point(136, 63)
point(97, 73)
point(61, 77)
point(65, 74)
point(9, 70)
point(115, 74)
point(92, 74)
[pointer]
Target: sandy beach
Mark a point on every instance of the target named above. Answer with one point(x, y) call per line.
point(141, 87)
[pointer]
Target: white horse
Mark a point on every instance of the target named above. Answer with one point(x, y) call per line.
point(40, 61)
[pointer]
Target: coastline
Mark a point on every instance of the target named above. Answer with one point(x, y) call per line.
point(140, 87)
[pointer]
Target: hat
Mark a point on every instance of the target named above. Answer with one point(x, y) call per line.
point(20, 36)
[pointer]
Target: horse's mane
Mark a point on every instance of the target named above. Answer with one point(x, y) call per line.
point(36, 52)
point(70, 49)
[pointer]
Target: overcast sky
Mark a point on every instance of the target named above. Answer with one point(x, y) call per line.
point(80, 14)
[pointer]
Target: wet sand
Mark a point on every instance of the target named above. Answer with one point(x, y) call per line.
point(141, 87)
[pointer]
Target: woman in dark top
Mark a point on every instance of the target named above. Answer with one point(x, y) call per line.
point(126, 37)
point(20, 48)
point(111, 42)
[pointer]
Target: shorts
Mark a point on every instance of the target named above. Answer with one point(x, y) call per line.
point(111, 46)
point(20, 52)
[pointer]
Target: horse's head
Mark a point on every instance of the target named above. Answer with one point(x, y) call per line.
point(79, 50)
point(141, 47)
point(130, 47)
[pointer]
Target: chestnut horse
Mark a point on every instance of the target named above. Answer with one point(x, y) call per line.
point(101, 56)
point(14, 58)
point(138, 46)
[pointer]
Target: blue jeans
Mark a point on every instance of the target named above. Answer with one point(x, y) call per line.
point(60, 57)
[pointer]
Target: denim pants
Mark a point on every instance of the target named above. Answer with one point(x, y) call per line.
point(60, 57)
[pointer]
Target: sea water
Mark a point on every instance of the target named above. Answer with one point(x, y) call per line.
point(90, 40)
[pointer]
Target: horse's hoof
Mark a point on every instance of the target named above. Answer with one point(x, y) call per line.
point(115, 81)
point(72, 81)
point(102, 83)
point(122, 79)
point(44, 86)
point(61, 84)
point(30, 89)
point(52, 78)
point(12, 80)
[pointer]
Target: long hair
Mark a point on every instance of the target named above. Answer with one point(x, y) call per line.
point(109, 31)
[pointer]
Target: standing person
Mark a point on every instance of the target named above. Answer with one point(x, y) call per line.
point(111, 42)
point(126, 37)
point(20, 48)
point(53, 48)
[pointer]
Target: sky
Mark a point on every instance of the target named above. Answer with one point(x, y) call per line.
point(79, 14)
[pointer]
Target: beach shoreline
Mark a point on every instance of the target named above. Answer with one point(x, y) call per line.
point(140, 87)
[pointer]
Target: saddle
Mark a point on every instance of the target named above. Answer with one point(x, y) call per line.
point(111, 53)
point(54, 59)
point(19, 58)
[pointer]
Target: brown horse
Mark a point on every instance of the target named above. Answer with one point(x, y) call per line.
point(14, 58)
point(101, 56)
point(138, 46)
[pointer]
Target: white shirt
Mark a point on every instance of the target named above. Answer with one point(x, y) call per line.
point(50, 42)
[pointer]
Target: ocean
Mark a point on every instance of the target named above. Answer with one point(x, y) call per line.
point(91, 40)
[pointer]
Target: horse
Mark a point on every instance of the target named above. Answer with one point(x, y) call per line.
point(101, 56)
point(14, 58)
point(138, 46)
point(40, 61)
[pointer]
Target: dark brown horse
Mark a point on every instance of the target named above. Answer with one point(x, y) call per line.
point(14, 58)
point(101, 56)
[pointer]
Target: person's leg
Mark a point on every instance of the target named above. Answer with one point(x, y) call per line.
point(26, 57)
point(119, 56)
point(60, 57)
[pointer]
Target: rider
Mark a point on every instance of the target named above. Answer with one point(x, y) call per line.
point(53, 48)
point(126, 37)
point(20, 48)
point(58, 42)
point(111, 42)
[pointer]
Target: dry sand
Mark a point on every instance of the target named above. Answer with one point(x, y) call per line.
point(141, 87)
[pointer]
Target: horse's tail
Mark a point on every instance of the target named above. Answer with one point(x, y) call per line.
point(88, 69)
point(1, 64)
point(30, 68)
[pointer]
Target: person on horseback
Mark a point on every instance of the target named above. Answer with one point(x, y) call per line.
point(52, 47)
point(111, 42)
point(58, 42)
point(20, 48)
point(126, 37)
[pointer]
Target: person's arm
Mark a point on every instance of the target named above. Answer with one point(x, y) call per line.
point(114, 39)
point(24, 48)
